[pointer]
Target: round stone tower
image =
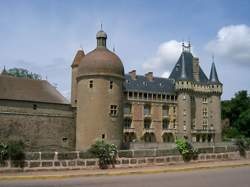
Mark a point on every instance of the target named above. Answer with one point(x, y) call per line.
point(99, 96)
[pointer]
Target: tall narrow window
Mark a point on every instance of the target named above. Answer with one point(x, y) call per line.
point(111, 85)
point(91, 84)
point(147, 110)
point(113, 110)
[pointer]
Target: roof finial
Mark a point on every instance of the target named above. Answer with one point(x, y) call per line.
point(114, 48)
point(183, 46)
point(189, 45)
point(213, 58)
point(101, 26)
point(81, 47)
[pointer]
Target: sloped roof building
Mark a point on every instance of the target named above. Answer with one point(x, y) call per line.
point(108, 104)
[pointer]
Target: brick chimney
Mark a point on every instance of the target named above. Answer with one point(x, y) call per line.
point(149, 76)
point(133, 74)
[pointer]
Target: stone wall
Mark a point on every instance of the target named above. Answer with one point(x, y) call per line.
point(41, 126)
point(127, 158)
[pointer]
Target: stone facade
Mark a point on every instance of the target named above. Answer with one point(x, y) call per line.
point(108, 104)
point(41, 126)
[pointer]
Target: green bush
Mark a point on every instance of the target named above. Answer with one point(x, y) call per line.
point(3, 152)
point(186, 150)
point(243, 145)
point(16, 153)
point(105, 152)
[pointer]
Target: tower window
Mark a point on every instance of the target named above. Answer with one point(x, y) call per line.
point(91, 84)
point(34, 107)
point(113, 110)
point(111, 84)
point(103, 136)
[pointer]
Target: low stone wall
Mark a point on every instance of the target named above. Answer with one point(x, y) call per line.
point(131, 158)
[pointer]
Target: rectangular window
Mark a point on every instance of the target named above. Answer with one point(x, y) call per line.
point(165, 110)
point(147, 110)
point(174, 110)
point(91, 84)
point(204, 112)
point(147, 123)
point(111, 85)
point(127, 123)
point(113, 110)
point(204, 100)
point(165, 124)
point(127, 108)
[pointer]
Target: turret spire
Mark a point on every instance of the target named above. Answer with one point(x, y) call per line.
point(213, 74)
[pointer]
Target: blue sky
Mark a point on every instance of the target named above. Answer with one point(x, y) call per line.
point(43, 36)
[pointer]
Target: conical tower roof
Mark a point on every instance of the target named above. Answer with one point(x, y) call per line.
point(213, 75)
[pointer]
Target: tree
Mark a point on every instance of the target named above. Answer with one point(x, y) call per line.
point(237, 110)
point(20, 72)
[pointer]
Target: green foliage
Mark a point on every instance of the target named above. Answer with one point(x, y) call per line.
point(186, 150)
point(3, 152)
point(105, 152)
point(19, 72)
point(14, 151)
point(237, 110)
point(243, 145)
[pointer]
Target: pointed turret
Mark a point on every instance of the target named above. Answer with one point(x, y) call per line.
point(213, 75)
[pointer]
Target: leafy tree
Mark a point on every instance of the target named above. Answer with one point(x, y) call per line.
point(20, 72)
point(237, 110)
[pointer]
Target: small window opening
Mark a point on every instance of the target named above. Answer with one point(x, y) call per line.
point(103, 136)
point(111, 84)
point(34, 107)
point(113, 110)
point(91, 84)
point(64, 139)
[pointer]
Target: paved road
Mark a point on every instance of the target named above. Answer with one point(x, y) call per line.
point(227, 177)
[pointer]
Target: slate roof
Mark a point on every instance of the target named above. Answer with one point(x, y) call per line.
point(188, 59)
point(13, 88)
point(213, 75)
point(142, 84)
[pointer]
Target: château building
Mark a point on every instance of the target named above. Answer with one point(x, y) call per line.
point(108, 104)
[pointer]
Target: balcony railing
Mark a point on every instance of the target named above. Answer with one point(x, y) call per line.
point(168, 130)
point(127, 114)
point(203, 131)
point(128, 129)
point(148, 130)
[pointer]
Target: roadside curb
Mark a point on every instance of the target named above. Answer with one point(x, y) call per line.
point(120, 173)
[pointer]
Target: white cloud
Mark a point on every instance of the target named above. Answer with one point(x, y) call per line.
point(232, 43)
point(166, 56)
point(165, 74)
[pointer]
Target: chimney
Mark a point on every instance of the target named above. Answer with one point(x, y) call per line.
point(133, 74)
point(149, 76)
point(196, 69)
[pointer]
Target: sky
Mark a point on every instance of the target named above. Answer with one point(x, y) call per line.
point(43, 36)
